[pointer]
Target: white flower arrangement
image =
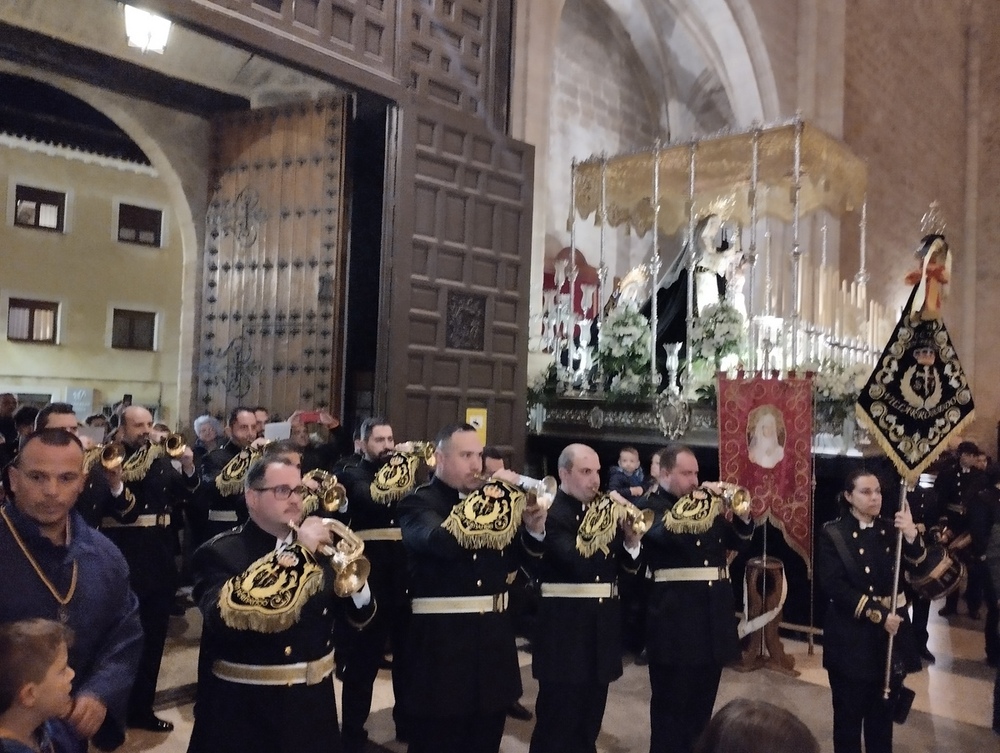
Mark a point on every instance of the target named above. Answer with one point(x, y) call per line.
point(836, 388)
point(719, 332)
point(623, 350)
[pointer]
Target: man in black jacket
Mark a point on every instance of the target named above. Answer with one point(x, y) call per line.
point(577, 649)
point(462, 672)
point(269, 607)
point(691, 624)
point(376, 524)
point(142, 531)
point(220, 505)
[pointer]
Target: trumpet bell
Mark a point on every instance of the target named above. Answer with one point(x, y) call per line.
point(642, 520)
point(112, 455)
point(352, 577)
point(174, 445)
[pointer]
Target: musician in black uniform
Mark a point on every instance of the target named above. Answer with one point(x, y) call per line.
point(220, 509)
point(462, 672)
point(142, 531)
point(690, 622)
point(362, 653)
point(576, 652)
point(267, 598)
point(103, 490)
point(956, 487)
point(855, 559)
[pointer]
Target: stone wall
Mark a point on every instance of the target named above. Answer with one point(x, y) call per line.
point(599, 103)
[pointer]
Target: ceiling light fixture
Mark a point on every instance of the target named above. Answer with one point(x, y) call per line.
point(146, 30)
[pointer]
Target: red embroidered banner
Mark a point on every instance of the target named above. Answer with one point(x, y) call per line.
point(765, 445)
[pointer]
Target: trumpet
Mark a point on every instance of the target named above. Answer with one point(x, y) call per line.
point(638, 520)
point(111, 455)
point(736, 497)
point(424, 450)
point(544, 489)
point(347, 558)
point(330, 494)
point(174, 445)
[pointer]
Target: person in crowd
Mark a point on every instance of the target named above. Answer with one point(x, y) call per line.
point(208, 433)
point(654, 472)
point(104, 489)
point(577, 649)
point(98, 421)
point(627, 478)
point(261, 416)
point(36, 686)
point(265, 590)
point(354, 458)
point(220, 504)
point(523, 607)
point(8, 429)
point(57, 567)
point(990, 504)
point(956, 486)
point(983, 515)
point(376, 522)
point(924, 510)
point(24, 421)
point(690, 624)
point(462, 672)
point(855, 560)
point(748, 725)
point(316, 453)
point(142, 531)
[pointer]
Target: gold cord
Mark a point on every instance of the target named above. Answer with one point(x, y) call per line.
point(61, 600)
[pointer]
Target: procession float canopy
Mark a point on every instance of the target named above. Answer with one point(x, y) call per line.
point(830, 177)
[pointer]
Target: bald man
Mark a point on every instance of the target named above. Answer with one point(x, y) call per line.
point(576, 653)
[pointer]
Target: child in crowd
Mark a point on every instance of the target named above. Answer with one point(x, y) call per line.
point(35, 688)
point(626, 478)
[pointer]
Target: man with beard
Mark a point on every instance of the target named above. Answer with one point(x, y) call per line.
point(142, 531)
point(690, 627)
point(462, 672)
point(221, 504)
point(374, 520)
point(577, 650)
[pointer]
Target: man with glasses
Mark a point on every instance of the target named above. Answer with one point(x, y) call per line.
point(265, 590)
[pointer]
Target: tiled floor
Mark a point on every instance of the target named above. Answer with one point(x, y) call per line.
point(952, 711)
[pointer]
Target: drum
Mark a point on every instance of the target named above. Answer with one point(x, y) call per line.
point(938, 575)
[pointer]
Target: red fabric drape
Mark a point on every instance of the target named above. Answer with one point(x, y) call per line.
point(765, 445)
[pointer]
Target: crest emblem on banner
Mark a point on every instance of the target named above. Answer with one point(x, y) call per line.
point(765, 445)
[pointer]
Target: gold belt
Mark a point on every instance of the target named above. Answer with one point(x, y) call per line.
point(300, 673)
point(461, 604)
point(674, 574)
point(380, 534)
point(580, 590)
point(223, 516)
point(143, 521)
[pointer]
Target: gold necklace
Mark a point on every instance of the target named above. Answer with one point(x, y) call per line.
point(63, 601)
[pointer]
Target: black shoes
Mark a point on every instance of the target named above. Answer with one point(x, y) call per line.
point(151, 723)
point(517, 711)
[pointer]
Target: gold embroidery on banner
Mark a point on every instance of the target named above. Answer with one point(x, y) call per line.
point(396, 478)
point(694, 513)
point(269, 595)
point(488, 518)
point(598, 527)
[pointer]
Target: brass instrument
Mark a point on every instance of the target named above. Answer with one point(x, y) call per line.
point(638, 520)
point(174, 445)
point(544, 489)
point(346, 557)
point(329, 494)
point(424, 450)
point(111, 455)
point(736, 497)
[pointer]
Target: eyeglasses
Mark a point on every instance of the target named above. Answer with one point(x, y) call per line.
point(283, 491)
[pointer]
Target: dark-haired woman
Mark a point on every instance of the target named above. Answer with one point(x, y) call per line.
point(854, 563)
point(745, 725)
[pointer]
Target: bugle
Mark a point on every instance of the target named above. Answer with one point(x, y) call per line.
point(736, 498)
point(544, 489)
point(638, 520)
point(111, 455)
point(329, 493)
point(347, 558)
point(174, 445)
point(424, 450)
